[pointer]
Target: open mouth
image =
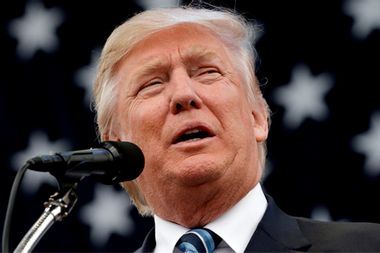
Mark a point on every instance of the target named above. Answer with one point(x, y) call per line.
point(192, 135)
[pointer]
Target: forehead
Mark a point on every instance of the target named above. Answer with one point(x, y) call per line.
point(185, 38)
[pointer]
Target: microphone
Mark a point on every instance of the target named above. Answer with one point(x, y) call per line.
point(112, 163)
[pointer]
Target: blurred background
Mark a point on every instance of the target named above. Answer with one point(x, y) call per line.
point(318, 62)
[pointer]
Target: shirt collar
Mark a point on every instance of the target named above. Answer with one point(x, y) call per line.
point(167, 234)
point(243, 217)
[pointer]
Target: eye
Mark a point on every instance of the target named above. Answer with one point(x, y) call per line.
point(208, 71)
point(153, 82)
point(151, 86)
point(207, 74)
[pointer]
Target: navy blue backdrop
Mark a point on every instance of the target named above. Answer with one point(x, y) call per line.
point(319, 66)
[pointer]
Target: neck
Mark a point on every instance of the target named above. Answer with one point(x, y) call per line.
point(196, 211)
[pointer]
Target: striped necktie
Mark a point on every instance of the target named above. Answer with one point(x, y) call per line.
point(198, 240)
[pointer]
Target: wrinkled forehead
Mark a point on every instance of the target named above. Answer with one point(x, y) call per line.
point(182, 31)
point(191, 42)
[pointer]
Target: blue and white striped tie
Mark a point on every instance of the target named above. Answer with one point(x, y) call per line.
point(198, 240)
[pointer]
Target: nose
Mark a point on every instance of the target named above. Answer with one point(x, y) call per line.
point(184, 96)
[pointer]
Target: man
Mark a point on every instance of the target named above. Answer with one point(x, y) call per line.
point(180, 83)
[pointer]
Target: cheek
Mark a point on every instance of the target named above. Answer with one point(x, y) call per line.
point(233, 108)
point(239, 123)
point(141, 123)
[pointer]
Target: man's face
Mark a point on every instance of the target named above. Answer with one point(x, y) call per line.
point(182, 100)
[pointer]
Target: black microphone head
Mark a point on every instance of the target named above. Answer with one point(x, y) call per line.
point(128, 161)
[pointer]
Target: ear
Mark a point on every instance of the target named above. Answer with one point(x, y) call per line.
point(110, 136)
point(260, 115)
point(112, 132)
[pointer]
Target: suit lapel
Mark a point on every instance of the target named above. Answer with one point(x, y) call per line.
point(277, 232)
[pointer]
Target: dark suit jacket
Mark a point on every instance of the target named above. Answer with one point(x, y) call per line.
point(279, 232)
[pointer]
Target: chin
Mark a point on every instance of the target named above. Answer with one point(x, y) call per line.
point(198, 173)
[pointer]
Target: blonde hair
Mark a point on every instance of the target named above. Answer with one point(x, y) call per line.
point(233, 30)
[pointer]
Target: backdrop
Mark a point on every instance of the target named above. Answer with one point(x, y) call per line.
point(318, 62)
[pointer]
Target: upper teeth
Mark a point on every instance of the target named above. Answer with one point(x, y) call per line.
point(192, 131)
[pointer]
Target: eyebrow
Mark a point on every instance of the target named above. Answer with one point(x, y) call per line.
point(198, 54)
point(151, 65)
point(190, 57)
point(154, 64)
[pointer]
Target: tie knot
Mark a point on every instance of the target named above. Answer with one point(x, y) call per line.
point(198, 240)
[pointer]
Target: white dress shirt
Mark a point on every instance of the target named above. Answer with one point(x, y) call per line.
point(235, 227)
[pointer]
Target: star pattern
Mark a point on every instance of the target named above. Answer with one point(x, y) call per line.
point(304, 97)
point(36, 30)
point(107, 214)
point(39, 144)
point(86, 75)
point(365, 14)
point(335, 53)
point(368, 143)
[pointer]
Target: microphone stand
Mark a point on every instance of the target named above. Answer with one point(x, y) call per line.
point(58, 207)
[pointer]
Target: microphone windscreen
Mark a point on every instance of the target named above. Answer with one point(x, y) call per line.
point(130, 162)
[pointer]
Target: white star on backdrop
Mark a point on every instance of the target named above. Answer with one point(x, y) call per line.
point(36, 30)
point(86, 75)
point(368, 143)
point(39, 144)
point(153, 4)
point(107, 214)
point(303, 97)
point(366, 15)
